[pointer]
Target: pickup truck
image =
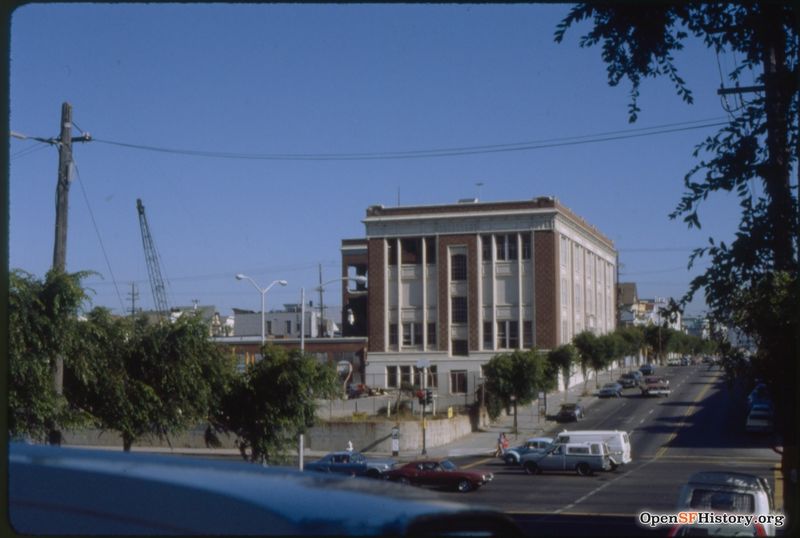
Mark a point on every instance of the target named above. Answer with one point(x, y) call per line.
point(655, 386)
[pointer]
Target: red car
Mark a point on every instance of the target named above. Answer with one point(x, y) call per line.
point(438, 473)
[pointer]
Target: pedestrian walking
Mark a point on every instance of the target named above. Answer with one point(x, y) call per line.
point(349, 446)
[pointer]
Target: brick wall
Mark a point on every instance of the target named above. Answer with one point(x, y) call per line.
point(377, 289)
point(546, 282)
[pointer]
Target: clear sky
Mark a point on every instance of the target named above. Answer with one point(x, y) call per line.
point(267, 80)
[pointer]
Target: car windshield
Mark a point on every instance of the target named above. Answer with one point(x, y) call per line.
point(448, 465)
point(729, 501)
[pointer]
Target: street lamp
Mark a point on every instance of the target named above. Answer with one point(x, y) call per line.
point(361, 279)
point(263, 292)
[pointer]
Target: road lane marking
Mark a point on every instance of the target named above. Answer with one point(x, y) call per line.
point(535, 513)
point(476, 463)
point(745, 460)
point(689, 411)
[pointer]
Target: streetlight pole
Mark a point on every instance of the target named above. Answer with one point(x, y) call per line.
point(263, 292)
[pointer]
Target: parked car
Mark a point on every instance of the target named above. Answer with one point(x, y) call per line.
point(106, 493)
point(730, 492)
point(583, 458)
point(570, 412)
point(512, 455)
point(674, 361)
point(760, 419)
point(647, 369)
point(654, 385)
point(351, 463)
point(440, 474)
point(759, 395)
point(686, 361)
point(610, 390)
point(619, 444)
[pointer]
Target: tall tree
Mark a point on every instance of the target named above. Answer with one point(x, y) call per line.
point(563, 358)
point(157, 379)
point(517, 377)
point(753, 282)
point(591, 353)
point(42, 321)
point(274, 401)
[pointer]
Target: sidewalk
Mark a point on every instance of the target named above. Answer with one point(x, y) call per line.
point(484, 443)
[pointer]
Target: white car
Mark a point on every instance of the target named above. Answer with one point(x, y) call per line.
point(729, 492)
point(759, 419)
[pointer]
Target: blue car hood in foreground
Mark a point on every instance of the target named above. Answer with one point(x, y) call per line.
point(71, 491)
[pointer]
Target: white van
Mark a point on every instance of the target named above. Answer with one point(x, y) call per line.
point(618, 442)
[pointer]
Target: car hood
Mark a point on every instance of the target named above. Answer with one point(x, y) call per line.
point(169, 495)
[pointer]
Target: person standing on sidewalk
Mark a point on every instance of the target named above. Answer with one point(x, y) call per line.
point(502, 445)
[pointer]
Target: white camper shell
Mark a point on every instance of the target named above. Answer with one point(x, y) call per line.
point(618, 442)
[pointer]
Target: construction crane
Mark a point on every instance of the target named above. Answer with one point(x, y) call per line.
point(153, 265)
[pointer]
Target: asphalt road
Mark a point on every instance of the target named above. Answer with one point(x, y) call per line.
point(700, 426)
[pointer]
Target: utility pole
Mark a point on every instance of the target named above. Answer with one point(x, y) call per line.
point(321, 307)
point(133, 296)
point(60, 245)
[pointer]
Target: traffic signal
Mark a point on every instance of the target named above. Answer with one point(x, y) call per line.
point(428, 396)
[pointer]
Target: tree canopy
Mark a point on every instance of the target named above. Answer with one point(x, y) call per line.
point(517, 377)
point(274, 401)
point(751, 283)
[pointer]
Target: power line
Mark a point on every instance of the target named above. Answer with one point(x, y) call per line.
point(97, 231)
point(443, 152)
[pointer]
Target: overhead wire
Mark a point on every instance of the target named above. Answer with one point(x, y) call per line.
point(97, 231)
point(441, 152)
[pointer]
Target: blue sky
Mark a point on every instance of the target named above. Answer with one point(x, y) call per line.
point(330, 79)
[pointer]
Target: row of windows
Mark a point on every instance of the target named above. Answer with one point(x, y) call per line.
point(505, 247)
point(411, 249)
point(412, 334)
point(507, 334)
point(396, 376)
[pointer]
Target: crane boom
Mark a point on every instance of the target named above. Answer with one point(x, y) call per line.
point(153, 265)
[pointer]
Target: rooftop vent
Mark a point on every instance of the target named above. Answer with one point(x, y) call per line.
point(468, 201)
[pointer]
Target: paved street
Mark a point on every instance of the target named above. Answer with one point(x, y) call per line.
point(699, 427)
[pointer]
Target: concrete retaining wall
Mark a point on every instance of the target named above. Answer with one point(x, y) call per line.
point(365, 436)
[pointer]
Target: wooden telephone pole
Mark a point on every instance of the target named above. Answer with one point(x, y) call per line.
point(60, 246)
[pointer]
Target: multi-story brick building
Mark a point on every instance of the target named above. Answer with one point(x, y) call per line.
point(456, 284)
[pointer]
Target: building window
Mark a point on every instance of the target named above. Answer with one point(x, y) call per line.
point(460, 347)
point(458, 382)
point(526, 246)
point(430, 250)
point(486, 247)
point(488, 336)
point(564, 292)
point(506, 246)
point(288, 327)
point(513, 335)
point(507, 334)
point(269, 327)
point(458, 267)
point(412, 334)
point(391, 377)
point(511, 245)
point(458, 309)
point(564, 331)
point(392, 247)
point(527, 334)
point(433, 379)
point(412, 250)
point(563, 251)
point(393, 334)
point(405, 375)
point(432, 334)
